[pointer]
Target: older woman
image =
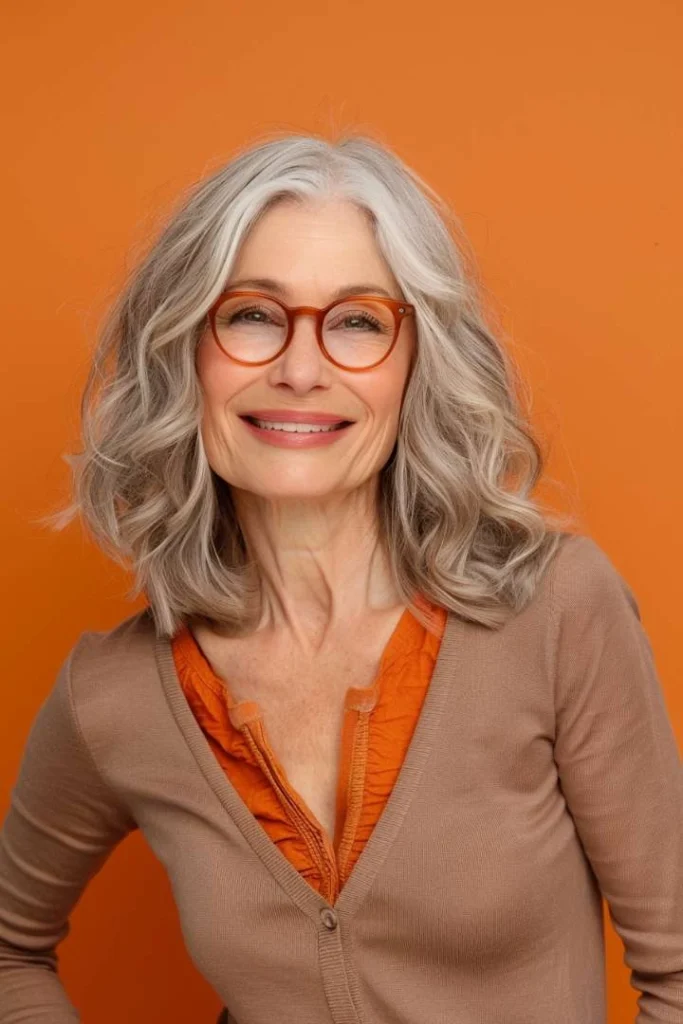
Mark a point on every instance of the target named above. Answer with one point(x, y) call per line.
point(391, 731)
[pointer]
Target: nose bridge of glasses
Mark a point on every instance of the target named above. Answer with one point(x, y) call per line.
point(305, 310)
point(313, 312)
point(297, 313)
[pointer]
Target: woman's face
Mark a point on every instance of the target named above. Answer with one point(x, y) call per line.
point(311, 250)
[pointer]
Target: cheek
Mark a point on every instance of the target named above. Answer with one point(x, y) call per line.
point(206, 362)
point(385, 395)
point(215, 373)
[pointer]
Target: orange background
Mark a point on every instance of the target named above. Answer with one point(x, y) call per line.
point(554, 131)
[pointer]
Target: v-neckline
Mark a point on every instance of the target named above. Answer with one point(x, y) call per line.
point(389, 822)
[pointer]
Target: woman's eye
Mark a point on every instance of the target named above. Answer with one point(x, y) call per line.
point(254, 316)
point(358, 321)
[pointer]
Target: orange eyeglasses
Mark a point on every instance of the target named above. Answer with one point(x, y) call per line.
point(356, 333)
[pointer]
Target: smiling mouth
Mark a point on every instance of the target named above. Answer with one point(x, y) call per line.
point(297, 428)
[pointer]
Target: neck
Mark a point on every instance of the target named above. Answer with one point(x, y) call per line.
point(322, 563)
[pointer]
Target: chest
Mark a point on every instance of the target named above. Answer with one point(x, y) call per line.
point(302, 701)
point(478, 862)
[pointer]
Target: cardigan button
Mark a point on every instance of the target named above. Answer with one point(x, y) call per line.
point(329, 918)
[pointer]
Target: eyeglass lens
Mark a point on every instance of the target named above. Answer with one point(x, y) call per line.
point(356, 333)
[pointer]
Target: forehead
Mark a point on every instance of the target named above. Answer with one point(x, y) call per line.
point(329, 240)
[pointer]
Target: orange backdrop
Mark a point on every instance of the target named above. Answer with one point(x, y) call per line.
point(555, 133)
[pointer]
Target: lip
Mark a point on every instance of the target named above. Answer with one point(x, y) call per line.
point(288, 439)
point(294, 416)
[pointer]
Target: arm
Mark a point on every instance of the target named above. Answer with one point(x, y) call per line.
point(620, 770)
point(62, 824)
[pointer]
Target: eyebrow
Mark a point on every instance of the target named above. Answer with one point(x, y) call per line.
point(270, 285)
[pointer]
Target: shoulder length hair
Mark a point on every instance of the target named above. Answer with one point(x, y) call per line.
point(457, 517)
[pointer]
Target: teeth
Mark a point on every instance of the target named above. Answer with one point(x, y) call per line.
point(295, 428)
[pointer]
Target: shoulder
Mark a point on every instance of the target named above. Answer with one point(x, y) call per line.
point(101, 650)
point(113, 675)
point(583, 580)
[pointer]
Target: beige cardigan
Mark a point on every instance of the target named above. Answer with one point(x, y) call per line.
point(543, 772)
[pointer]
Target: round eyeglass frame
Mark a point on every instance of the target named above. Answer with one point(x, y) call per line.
point(398, 308)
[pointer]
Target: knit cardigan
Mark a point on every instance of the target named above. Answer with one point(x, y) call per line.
point(543, 775)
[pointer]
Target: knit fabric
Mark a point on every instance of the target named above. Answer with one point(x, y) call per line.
point(542, 774)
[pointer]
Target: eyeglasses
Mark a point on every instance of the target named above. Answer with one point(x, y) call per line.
point(356, 333)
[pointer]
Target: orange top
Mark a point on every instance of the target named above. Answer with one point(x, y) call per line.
point(379, 721)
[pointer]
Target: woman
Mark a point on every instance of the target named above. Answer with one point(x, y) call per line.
point(391, 731)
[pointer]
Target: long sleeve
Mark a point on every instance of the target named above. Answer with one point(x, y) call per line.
point(620, 772)
point(62, 824)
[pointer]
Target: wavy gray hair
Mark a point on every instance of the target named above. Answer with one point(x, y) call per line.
point(455, 509)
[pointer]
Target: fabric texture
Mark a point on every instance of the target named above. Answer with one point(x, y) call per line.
point(542, 774)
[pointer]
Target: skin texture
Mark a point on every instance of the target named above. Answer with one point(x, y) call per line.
point(309, 516)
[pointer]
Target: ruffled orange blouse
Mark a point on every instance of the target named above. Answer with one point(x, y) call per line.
point(378, 725)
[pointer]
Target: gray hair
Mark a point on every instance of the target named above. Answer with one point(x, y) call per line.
point(455, 509)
